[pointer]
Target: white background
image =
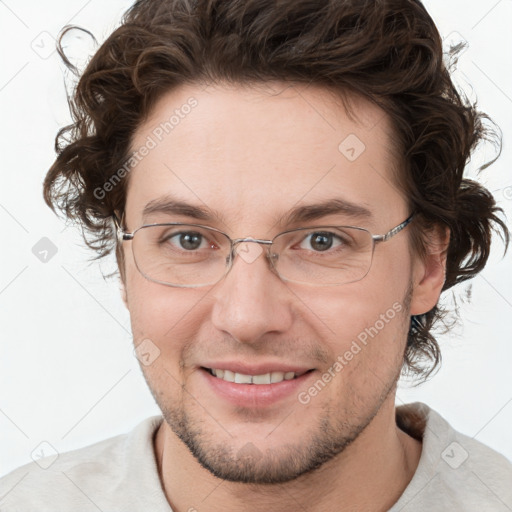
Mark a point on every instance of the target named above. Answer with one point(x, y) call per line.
point(68, 375)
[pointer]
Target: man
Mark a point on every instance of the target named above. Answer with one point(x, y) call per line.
point(283, 186)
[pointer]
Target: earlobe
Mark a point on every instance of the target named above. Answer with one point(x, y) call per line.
point(429, 272)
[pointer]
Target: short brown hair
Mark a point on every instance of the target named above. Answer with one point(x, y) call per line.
point(388, 51)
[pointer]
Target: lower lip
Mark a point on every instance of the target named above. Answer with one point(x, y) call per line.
point(255, 395)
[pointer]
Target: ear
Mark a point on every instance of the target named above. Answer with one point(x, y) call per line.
point(429, 271)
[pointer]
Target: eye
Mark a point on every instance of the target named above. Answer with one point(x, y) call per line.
point(321, 241)
point(190, 241)
point(187, 240)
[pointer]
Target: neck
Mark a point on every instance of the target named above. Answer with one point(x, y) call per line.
point(371, 473)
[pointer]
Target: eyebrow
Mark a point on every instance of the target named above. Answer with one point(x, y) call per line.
point(172, 206)
point(315, 211)
point(297, 215)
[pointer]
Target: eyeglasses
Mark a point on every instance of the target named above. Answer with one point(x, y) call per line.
point(193, 255)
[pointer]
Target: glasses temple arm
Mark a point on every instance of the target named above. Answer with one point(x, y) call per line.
point(393, 231)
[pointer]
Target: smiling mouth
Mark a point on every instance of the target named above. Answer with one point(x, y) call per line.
point(266, 378)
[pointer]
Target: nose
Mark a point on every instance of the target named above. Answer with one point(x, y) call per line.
point(251, 300)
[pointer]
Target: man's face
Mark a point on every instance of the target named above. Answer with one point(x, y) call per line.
point(252, 157)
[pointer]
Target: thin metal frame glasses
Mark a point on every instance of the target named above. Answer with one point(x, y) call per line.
point(347, 264)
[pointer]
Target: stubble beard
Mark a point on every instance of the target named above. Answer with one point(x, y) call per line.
point(324, 441)
point(331, 435)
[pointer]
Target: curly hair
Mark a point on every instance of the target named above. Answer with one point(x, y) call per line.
point(388, 51)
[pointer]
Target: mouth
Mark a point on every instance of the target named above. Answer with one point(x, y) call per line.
point(254, 386)
point(271, 377)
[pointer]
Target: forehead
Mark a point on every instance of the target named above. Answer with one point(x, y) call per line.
point(254, 151)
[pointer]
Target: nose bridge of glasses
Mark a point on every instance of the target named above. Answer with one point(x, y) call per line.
point(251, 239)
point(237, 241)
point(248, 258)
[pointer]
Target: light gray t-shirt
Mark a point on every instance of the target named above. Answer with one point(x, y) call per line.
point(455, 473)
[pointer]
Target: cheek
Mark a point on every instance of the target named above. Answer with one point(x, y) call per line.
point(367, 350)
point(165, 315)
point(348, 312)
point(363, 326)
point(164, 324)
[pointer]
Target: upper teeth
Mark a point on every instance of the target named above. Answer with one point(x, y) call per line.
point(240, 378)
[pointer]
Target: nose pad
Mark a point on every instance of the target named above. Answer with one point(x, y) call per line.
point(273, 258)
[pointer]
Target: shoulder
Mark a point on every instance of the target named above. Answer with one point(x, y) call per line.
point(455, 472)
point(88, 478)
